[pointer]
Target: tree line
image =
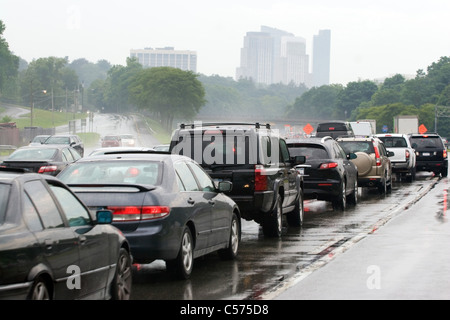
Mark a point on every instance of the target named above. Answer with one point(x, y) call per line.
point(168, 93)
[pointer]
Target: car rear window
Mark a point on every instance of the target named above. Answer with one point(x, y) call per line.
point(58, 140)
point(113, 172)
point(4, 194)
point(357, 146)
point(332, 126)
point(427, 142)
point(311, 152)
point(394, 142)
point(33, 154)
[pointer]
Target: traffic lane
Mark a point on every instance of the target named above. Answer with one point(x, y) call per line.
point(265, 263)
point(406, 259)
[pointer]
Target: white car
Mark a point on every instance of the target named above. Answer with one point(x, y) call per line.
point(128, 140)
point(404, 159)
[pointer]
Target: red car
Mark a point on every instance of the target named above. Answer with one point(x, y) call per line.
point(111, 141)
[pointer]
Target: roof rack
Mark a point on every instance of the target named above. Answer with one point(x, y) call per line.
point(208, 124)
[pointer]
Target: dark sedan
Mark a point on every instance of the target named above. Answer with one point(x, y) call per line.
point(71, 140)
point(46, 159)
point(327, 174)
point(166, 205)
point(51, 247)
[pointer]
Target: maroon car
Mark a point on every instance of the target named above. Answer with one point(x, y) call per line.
point(111, 141)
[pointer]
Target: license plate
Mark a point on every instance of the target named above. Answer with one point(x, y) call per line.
point(426, 154)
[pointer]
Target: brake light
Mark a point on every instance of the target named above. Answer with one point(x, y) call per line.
point(377, 156)
point(329, 165)
point(46, 169)
point(260, 178)
point(407, 155)
point(444, 153)
point(138, 213)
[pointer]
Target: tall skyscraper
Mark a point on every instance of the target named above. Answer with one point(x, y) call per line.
point(274, 56)
point(166, 57)
point(321, 58)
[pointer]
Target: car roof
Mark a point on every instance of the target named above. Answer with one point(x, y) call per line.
point(7, 175)
point(315, 140)
point(135, 155)
point(45, 146)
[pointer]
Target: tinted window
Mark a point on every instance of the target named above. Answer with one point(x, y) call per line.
point(57, 140)
point(394, 142)
point(357, 146)
point(203, 179)
point(427, 142)
point(186, 176)
point(75, 212)
point(44, 204)
point(33, 154)
point(332, 126)
point(4, 194)
point(310, 151)
point(30, 215)
point(140, 172)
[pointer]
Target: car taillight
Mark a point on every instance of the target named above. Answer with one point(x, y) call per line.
point(407, 155)
point(444, 153)
point(260, 178)
point(138, 213)
point(377, 156)
point(46, 169)
point(329, 165)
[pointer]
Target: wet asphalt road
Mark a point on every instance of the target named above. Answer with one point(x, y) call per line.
point(266, 266)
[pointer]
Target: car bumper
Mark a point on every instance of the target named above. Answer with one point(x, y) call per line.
point(252, 207)
point(321, 190)
point(431, 165)
point(401, 166)
point(151, 241)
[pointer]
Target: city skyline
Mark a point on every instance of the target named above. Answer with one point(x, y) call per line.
point(370, 40)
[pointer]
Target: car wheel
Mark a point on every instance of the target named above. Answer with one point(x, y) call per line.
point(353, 198)
point(382, 188)
point(39, 290)
point(273, 221)
point(295, 217)
point(340, 203)
point(182, 266)
point(444, 172)
point(235, 237)
point(121, 286)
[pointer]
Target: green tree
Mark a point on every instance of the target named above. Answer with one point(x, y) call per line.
point(353, 95)
point(9, 65)
point(168, 92)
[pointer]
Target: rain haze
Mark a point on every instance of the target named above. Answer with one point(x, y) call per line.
point(369, 40)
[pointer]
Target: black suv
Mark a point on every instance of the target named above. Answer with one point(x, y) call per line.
point(328, 174)
point(256, 160)
point(431, 154)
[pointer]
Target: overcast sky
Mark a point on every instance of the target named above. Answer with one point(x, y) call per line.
point(369, 39)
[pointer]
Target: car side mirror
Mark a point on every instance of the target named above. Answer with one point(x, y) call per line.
point(414, 145)
point(225, 186)
point(352, 156)
point(104, 217)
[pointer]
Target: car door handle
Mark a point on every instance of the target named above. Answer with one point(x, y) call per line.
point(211, 202)
point(82, 239)
point(48, 244)
point(191, 201)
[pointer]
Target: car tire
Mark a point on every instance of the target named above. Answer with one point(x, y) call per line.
point(382, 187)
point(353, 197)
point(295, 217)
point(122, 282)
point(444, 172)
point(231, 252)
point(184, 263)
point(273, 221)
point(40, 290)
point(340, 203)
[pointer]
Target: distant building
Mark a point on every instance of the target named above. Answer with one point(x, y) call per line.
point(166, 57)
point(274, 56)
point(321, 58)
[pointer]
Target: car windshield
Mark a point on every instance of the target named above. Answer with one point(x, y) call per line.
point(111, 138)
point(37, 154)
point(426, 142)
point(39, 139)
point(394, 142)
point(4, 193)
point(112, 172)
point(311, 152)
point(357, 146)
point(57, 140)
